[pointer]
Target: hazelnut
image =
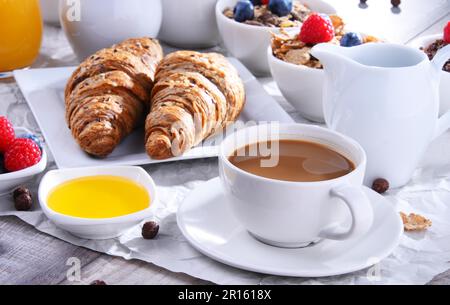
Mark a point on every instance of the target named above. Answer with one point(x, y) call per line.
point(98, 283)
point(150, 230)
point(23, 202)
point(396, 3)
point(380, 185)
point(19, 191)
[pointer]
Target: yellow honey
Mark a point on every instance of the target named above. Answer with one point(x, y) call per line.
point(98, 197)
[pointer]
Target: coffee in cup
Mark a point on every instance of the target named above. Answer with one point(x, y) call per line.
point(295, 186)
point(295, 160)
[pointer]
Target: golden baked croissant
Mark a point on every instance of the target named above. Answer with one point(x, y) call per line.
point(194, 96)
point(109, 93)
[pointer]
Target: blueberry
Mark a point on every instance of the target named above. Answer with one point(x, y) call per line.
point(256, 2)
point(280, 7)
point(243, 11)
point(33, 138)
point(351, 39)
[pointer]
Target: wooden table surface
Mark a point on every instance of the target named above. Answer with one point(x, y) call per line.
point(30, 257)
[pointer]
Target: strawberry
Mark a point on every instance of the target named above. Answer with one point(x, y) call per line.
point(21, 154)
point(7, 134)
point(447, 33)
point(317, 28)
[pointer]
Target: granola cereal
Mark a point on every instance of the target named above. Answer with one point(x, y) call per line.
point(289, 48)
point(433, 48)
point(415, 222)
point(264, 17)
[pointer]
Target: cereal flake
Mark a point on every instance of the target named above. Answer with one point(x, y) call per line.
point(415, 222)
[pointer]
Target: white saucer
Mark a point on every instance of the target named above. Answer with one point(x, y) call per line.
point(208, 224)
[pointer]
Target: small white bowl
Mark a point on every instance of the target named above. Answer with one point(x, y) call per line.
point(189, 24)
point(9, 181)
point(423, 42)
point(249, 43)
point(300, 85)
point(104, 23)
point(97, 229)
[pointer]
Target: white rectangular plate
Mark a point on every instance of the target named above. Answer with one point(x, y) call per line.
point(44, 91)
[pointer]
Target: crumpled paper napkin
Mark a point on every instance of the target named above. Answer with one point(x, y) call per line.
point(419, 257)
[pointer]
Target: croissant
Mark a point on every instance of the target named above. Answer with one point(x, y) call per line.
point(194, 96)
point(109, 94)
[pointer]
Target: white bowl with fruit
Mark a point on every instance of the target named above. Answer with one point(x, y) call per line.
point(298, 74)
point(22, 158)
point(248, 42)
point(437, 40)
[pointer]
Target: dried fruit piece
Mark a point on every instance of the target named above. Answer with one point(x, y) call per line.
point(369, 38)
point(98, 283)
point(338, 24)
point(415, 222)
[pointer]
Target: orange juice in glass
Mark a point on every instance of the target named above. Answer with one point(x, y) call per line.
point(20, 34)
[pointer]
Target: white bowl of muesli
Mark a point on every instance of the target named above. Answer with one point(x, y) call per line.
point(300, 76)
point(300, 85)
point(248, 41)
point(429, 44)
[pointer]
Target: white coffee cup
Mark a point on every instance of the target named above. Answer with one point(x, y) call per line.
point(91, 25)
point(296, 214)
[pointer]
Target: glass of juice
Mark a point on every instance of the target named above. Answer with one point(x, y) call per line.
point(20, 34)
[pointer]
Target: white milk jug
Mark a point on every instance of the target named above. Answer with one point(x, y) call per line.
point(385, 96)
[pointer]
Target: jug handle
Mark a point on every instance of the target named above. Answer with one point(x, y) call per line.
point(438, 62)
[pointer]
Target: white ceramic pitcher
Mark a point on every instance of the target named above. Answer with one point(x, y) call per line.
point(386, 97)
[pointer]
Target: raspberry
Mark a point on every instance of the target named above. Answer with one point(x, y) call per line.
point(447, 33)
point(22, 154)
point(32, 137)
point(7, 135)
point(316, 29)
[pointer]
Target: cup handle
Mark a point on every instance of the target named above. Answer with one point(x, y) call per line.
point(438, 62)
point(360, 209)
